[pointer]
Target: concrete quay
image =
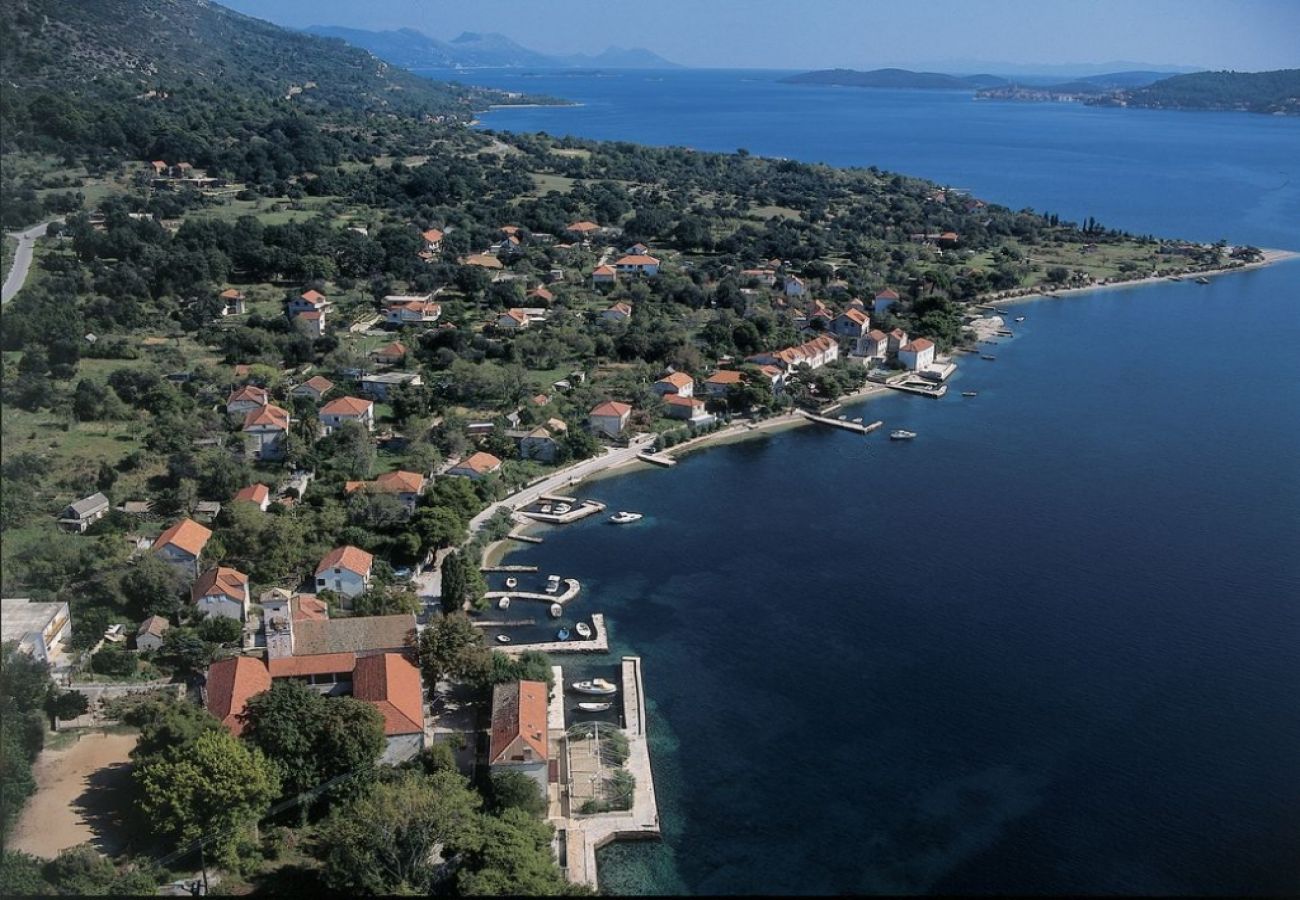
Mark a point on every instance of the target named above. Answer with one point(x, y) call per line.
point(858, 427)
point(599, 642)
point(571, 589)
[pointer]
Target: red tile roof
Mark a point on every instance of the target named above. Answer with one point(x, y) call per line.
point(433, 235)
point(918, 345)
point(316, 664)
point(678, 400)
point(318, 383)
point(395, 350)
point(677, 379)
point(480, 462)
point(611, 408)
point(583, 227)
point(392, 482)
point(604, 270)
point(186, 535)
point(887, 294)
point(230, 294)
point(308, 608)
point(354, 559)
point(637, 259)
point(518, 712)
point(392, 685)
point(254, 493)
point(856, 315)
point(269, 416)
point(231, 684)
point(220, 581)
point(877, 335)
point(248, 392)
point(346, 406)
point(313, 297)
point(725, 376)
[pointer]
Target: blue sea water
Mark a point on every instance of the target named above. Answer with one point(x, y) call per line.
point(1053, 644)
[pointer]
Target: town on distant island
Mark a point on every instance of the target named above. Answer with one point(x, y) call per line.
point(292, 356)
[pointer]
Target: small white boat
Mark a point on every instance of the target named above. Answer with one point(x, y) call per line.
point(1202, 280)
point(583, 629)
point(512, 583)
point(595, 707)
point(503, 638)
point(1020, 318)
point(858, 420)
point(503, 603)
point(622, 518)
point(552, 587)
point(901, 434)
point(562, 508)
point(556, 610)
point(546, 508)
point(597, 686)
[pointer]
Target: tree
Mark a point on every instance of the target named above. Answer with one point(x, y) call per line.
point(21, 875)
point(450, 647)
point(220, 630)
point(515, 790)
point(65, 704)
point(82, 871)
point(154, 587)
point(114, 660)
point(214, 786)
point(383, 841)
point(513, 858)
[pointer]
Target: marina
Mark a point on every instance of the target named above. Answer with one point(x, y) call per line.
point(599, 643)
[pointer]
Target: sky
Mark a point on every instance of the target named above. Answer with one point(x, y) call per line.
point(950, 35)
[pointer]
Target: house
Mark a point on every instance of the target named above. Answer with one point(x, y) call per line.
point(245, 399)
point(432, 240)
point(508, 246)
point(519, 737)
point(257, 494)
point(604, 275)
point(182, 544)
point(265, 431)
point(411, 311)
point(582, 231)
point(476, 466)
point(345, 571)
point(609, 418)
point(306, 302)
point(381, 386)
point(347, 409)
point(637, 264)
point(222, 591)
point(765, 277)
point(637, 249)
point(884, 301)
point(948, 237)
point(315, 388)
point(775, 376)
point(390, 354)
point(541, 295)
point(720, 383)
point(690, 409)
point(872, 345)
point(814, 353)
point(232, 302)
point(206, 510)
point(852, 323)
point(512, 319)
point(794, 286)
point(388, 682)
point(149, 636)
point(917, 355)
point(619, 312)
point(405, 486)
point(482, 261)
point(897, 339)
point(313, 323)
point(818, 310)
point(678, 383)
point(85, 512)
point(231, 683)
point(539, 444)
point(354, 636)
point(41, 630)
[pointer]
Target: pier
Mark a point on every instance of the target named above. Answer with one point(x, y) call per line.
point(925, 389)
point(505, 623)
point(579, 511)
point(524, 538)
point(657, 459)
point(858, 427)
point(486, 569)
point(599, 642)
point(571, 588)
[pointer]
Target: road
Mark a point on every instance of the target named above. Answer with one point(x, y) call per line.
point(17, 276)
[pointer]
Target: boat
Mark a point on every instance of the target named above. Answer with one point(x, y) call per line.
point(563, 634)
point(588, 706)
point(562, 508)
point(556, 610)
point(583, 629)
point(970, 393)
point(901, 434)
point(989, 356)
point(597, 686)
point(622, 518)
point(1174, 278)
point(503, 603)
point(1020, 318)
point(503, 638)
point(1202, 280)
point(546, 508)
point(857, 421)
point(843, 418)
point(512, 583)
point(552, 587)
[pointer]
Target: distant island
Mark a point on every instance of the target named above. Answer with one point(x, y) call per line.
point(1276, 92)
point(412, 49)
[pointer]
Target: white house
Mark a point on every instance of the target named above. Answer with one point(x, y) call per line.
point(874, 344)
point(604, 275)
point(182, 544)
point(244, 399)
point(380, 386)
point(637, 264)
point(257, 494)
point(476, 466)
point(405, 486)
point(689, 409)
point(610, 418)
point(884, 301)
point(794, 286)
point(314, 388)
point(308, 309)
point(519, 731)
point(897, 340)
point(720, 383)
point(619, 312)
point(432, 240)
point(85, 512)
point(678, 383)
point(852, 323)
point(814, 353)
point(265, 431)
point(149, 636)
point(390, 354)
point(346, 572)
point(222, 591)
point(347, 409)
point(232, 302)
point(411, 311)
point(41, 630)
point(916, 355)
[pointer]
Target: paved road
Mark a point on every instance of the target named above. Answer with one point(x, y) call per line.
point(22, 261)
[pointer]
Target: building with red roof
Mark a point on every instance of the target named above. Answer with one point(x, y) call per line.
point(519, 730)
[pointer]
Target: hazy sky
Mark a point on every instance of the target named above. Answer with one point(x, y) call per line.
point(957, 34)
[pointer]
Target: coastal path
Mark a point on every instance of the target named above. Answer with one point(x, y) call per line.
point(17, 276)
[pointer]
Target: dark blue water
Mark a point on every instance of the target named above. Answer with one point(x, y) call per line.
point(1049, 646)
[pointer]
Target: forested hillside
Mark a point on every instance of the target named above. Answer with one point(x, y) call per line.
point(1264, 92)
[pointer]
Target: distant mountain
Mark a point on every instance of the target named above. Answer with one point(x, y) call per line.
point(412, 49)
point(1277, 91)
point(896, 78)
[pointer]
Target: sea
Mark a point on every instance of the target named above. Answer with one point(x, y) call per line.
point(1050, 646)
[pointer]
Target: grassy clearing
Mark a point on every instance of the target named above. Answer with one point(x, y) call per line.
point(547, 183)
point(763, 213)
point(268, 211)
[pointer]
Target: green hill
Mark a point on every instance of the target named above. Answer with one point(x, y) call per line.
point(1277, 91)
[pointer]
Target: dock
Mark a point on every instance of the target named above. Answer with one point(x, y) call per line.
point(599, 642)
point(657, 459)
point(580, 511)
point(858, 427)
point(924, 390)
point(524, 538)
point(571, 589)
point(486, 569)
point(504, 623)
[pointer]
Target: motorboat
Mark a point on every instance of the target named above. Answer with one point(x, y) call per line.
point(901, 434)
point(597, 686)
point(990, 357)
point(563, 634)
point(843, 418)
point(552, 587)
point(503, 638)
point(583, 629)
point(556, 610)
point(858, 420)
point(562, 508)
point(1020, 318)
point(1202, 280)
point(970, 393)
point(622, 518)
point(588, 706)
point(503, 603)
point(512, 583)
point(546, 508)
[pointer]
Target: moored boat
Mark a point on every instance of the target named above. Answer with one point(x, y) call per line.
point(587, 706)
point(990, 357)
point(503, 603)
point(970, 393)
point(563, 634)
point(512, 583)
point(1202, 280)
point(556, 610)
point(583, 629)
point(624, 517)
point(1020, 318)
point(597, 686)
point(901, 434)
point(546, 508)
point(503, 638)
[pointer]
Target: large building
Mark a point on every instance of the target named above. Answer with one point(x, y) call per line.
point(39, 629)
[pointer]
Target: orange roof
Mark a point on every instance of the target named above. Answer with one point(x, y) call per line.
point(611, 408)
point(354, 559)
point(877, 335)
point(394, 482)
point(898, 333)
point(677, 379)
point(517, 314)
point(248, 392)
point(307, 607)
point(726, 376)
point(231, 684)
point(583, 226)
point(541, 293)
point(480, 462)
point(918, 345)
point(621, 307)
point(769, 370)
point(433, 235)
point(254, 493)
point(948, 236)
point(887, 294)
point(396, 348)
point(313, 296)
point(268, 416)
point(230, 294)
point(315, 664)
point(318, 383)
point(392, 685)
point(186, 535)
point(604, 270)
point(637, 259)
point(541, 400)
point(856, 315)
point(484, 261)
point(510, 229)
point(346, 406)
point(518, 712)
point(679, 400)
point(222, 581)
